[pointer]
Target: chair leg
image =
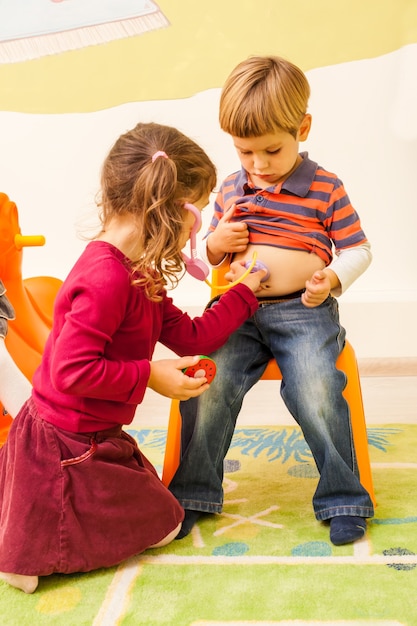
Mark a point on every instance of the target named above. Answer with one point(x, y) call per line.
point(353, 395)
point(173, 443)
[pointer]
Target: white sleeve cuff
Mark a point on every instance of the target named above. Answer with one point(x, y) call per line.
point(349, 264)
point(204, 255)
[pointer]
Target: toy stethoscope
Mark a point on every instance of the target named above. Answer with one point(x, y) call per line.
point(198, 269)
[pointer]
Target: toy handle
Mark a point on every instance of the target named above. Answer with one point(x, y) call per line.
point(28, 240)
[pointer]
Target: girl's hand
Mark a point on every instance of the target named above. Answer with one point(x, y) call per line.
point(168, 379)
point(252, 280)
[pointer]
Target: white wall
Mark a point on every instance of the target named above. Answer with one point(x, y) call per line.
point(49, 165)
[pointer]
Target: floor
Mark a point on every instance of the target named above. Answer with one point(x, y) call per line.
point(389, 396)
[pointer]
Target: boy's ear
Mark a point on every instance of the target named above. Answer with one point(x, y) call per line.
point(304, 127)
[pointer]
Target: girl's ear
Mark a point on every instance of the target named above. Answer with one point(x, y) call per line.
point(304, 129)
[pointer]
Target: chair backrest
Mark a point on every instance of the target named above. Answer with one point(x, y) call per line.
point(217, 278)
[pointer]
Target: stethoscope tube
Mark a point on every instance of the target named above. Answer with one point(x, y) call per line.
point(200, 270)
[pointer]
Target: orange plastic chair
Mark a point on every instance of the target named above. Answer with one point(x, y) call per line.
point(32, 299)
point(353, 394)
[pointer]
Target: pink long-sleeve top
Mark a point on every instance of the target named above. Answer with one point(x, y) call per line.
point(96, 363)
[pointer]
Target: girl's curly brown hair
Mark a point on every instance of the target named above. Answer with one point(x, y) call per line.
point(155, 193)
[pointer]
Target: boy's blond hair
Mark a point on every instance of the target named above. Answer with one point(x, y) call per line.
point(263, 94)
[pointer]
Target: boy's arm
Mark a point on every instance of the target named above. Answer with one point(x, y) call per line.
point(352, 248)
point(349, 264)
point(338, 276)
point(227, 238)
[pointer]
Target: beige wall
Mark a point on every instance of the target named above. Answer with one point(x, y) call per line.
point(60, 113)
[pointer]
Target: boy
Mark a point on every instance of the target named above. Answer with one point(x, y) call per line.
point(291, 212)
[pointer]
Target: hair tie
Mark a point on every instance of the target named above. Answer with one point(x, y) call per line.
point(160, 153)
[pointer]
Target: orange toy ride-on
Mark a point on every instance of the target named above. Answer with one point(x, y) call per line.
point(32, 299)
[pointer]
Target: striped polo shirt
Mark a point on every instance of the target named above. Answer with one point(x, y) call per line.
point(309, 211)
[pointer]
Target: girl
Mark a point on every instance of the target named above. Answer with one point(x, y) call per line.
point(76, 493)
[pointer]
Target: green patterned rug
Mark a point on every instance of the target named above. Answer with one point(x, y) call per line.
point(265, 560)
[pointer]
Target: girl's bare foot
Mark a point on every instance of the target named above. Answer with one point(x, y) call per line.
point(27, 584)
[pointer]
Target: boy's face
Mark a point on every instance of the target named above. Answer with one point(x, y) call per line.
point(270, 159)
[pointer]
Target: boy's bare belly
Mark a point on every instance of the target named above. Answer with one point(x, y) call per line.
point(289, 269)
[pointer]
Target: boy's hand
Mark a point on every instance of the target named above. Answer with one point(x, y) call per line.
point(229, 237)
point(317, 288)
point(168, 379)
point(252, 280)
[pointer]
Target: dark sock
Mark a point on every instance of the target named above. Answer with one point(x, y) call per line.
point(346, 529)
point(190, 518)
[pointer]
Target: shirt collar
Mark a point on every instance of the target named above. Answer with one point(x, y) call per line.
point(298, 183)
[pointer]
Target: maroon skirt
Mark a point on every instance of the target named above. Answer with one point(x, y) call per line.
point(73, 502)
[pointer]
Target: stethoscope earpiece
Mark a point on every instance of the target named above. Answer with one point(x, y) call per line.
point(196, 267)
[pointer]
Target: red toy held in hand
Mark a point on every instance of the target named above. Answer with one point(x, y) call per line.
point(205, 367)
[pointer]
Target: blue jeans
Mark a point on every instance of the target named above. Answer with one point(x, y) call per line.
point(305, 342)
